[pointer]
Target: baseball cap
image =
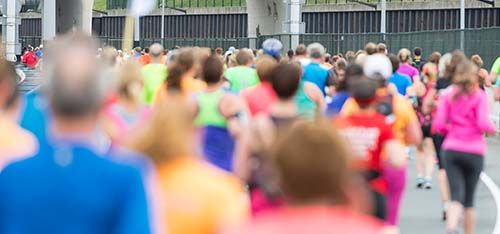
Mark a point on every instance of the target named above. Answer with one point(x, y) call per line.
point(272, 47)
point(377, 65)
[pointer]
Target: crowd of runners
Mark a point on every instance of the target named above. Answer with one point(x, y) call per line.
point(199, 140)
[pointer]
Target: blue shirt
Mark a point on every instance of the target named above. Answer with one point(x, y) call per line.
point(71, 189)
point(401, 81)
point(34, 116)
point(315, 73)
point(337, 103)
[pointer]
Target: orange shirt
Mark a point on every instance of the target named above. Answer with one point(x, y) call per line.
point(189, 87)
point(200, 198)
point(403, 112)
point(145, 59)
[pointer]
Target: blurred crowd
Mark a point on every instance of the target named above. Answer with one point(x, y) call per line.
point(199, 140)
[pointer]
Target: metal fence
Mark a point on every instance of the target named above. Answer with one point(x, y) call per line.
point(121, 4)
point(476, 41)
point(484, 42)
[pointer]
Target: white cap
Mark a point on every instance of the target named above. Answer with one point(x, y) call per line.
point(377, 64)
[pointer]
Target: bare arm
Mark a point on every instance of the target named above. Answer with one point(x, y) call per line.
point(313, 92)
point(396, 153)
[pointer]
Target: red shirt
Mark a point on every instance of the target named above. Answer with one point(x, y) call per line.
point(260, 98)
point(312, 219)
point(367, 133)
point(30, 59)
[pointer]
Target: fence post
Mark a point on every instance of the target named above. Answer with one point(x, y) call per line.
point(462, 24)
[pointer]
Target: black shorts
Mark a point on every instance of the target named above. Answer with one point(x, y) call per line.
point(463, 170)
point(380, 207)
point(426, 131)
point(438, 139)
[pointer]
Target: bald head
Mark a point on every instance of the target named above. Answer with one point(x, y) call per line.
point(74, 89)
point(156, 51)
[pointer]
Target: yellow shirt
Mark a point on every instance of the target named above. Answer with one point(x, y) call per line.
point(200, 198)
point(189, 87)
point(402, 109)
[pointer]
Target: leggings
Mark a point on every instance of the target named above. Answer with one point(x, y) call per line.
point(438, 139)
point(396, 182)
point(463, 170)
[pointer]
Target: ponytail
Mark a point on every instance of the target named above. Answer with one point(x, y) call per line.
point(183, 62)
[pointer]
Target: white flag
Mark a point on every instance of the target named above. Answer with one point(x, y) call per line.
point(141, 7)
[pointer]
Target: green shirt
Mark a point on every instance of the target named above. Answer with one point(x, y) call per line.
point(153, 75)
point(496, 66)
point(208, 110)
point(241, 77)
point(305, 106)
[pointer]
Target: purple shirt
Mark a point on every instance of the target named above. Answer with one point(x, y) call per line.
point(408, 70)
point(464, 120)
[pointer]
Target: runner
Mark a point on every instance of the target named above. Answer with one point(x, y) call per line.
point(199, 198)
point(381, 48)
point(370, 136)
point(254, 165)
point(429, 106)
point(15, 142)
point(77, 189)
point(123, 116)
point(405, 66)
point(418, 60)
point(181, 75)
point(462, 115)
point(316, 189)
point(146, 58)
point(371, 48)
point(261, 97)
point(153, 74)
point(242, 76)
point(301, 55)
point(352, 72)
point(482, 75)
point(217, 117)
point(426, 159)
point(400, 80)
point(314, 72)
point(495, 71)
point(405, 128)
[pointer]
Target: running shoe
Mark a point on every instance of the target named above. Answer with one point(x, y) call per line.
point(428, 184)
point(420, 182)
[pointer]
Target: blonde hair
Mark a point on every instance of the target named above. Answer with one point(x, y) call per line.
point(129, 74)
point(477, 60)
point(464, 77)
point(404, 55)
point(168, 133)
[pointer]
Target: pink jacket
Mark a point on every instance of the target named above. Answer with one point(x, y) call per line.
point(464, 120)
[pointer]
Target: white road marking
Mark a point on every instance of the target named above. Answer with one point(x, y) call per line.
point(495, 192)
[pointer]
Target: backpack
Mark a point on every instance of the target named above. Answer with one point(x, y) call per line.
point(385, 106)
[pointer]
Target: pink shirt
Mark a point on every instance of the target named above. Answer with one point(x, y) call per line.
point(260, 98)
point(408, 70)
point(464, 120)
